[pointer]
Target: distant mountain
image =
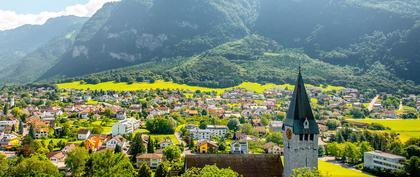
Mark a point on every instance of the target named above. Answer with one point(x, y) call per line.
point(135, 31)
point(28, 51)
point(218, 43)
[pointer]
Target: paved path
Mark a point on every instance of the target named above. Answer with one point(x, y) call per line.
point(370, 107)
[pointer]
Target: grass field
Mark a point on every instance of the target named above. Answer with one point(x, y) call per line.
point(161, 137)
point(406, 128)
point(334, 170)
point(258, 88)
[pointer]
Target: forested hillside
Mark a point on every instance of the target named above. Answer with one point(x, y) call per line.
point(253, 58)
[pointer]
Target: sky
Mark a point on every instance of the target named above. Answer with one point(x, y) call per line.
point(15, 13)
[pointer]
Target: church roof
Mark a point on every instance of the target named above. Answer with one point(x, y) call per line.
point(247, 165)
point(300, 110)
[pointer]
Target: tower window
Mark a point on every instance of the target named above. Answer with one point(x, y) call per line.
point(311, 137)
point(300, 137)
point(306, 137)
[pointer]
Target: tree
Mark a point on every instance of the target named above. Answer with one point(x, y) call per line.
point(117, 149)
point(161, 125)
point(203, 124)
point(210, 170)
point(97, 129)
point(76, 160)
point(150, 147)
point(412, 166)
point(332, 124)
point(144, 170)
point(233, 124)
point(4, 165)
point(21, 127)
point(172, 152)
point(51, 145)
point(191, 143)
point(106, 163)
point(31, 132)
point(37, 165)
point(275, 137)
point(264, 120)
point(412, 150)
point(137, 147)
point(162, 170)
point(306, 172)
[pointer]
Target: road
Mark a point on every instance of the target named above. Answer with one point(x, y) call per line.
point(370, 107)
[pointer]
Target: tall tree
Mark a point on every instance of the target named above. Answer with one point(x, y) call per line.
point(150, 147)
point(106, 163)
point(117, 149)
point(76, 161)
point(172, 152)
point(137, 147)
point(144, 170)
point(162, 170)
point(31, 131)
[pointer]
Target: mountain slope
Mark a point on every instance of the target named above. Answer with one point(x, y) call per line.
point(234, 62)
point(135, 31)
point(20, 48)
point(348, 32)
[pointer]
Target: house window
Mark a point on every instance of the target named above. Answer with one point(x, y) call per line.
point(311, 137)
point(306, 137)
point(300, 137)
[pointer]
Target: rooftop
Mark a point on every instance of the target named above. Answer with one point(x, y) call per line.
point(247, 165)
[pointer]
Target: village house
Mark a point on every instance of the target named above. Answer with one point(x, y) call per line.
point(83, 134)
point(68, 148)
point(56, 156)
point(239, 147)
point(153, 160)
point(117, 140)
point(95, 142)
point(41, 132)
point(276, 126)
point(272, 148)
point(165, 143)
point(210, 132)
point(206, 146)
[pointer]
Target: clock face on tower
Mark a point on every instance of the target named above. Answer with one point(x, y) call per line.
point(289, 133)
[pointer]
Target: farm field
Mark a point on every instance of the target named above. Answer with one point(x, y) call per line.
point(406, 128)
point(122, 86)
point(338, 171)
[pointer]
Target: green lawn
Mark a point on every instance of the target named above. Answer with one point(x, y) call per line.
point(406, 128)
point(161, 137)
point(334, 170)
point(159, 84)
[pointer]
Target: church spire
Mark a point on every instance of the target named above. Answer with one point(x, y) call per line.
point(299, 115)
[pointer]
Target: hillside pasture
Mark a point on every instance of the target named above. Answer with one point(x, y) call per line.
point(407, 128)
point(159, 84)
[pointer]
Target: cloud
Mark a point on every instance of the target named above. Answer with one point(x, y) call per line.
point(11, 19)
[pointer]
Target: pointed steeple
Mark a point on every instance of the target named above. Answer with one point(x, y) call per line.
point(299, 115)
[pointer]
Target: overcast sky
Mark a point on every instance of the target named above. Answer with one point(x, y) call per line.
point(15, 13)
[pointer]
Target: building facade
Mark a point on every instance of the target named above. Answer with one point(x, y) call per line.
point(382, 160)
point(125, 126)
point(300, 132)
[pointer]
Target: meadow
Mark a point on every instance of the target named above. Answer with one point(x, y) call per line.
point(159, 84)
point(407, 128)
point(338, 171)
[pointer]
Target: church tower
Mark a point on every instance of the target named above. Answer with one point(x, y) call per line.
point(300, 132)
